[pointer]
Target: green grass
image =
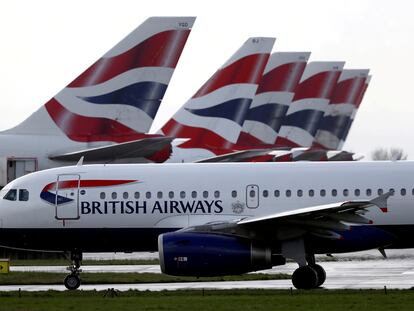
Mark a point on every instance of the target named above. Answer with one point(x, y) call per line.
point(31, 278)
point(237, 300)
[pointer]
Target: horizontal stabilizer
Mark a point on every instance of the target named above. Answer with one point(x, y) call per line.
point(140, 148)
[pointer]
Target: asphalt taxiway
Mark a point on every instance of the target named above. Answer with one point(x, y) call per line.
point(397, 273)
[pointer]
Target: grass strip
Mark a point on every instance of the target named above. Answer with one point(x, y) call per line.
point(38, 278)
point(258, 300)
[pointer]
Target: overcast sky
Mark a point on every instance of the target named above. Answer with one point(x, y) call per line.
point(46, 44)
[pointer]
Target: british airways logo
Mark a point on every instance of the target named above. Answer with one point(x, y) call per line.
point(63, 192)
point(156, 207)
point(56, 192)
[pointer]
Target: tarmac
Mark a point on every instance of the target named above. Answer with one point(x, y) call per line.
point(363, 271)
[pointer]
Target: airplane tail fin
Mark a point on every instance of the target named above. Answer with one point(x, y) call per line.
point(273, 96)
point(213, 117)
point(309, 104)
point(354, 112)
point(338, 114)
point(117, 97)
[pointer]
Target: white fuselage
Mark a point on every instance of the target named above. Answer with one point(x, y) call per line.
point(173, 196)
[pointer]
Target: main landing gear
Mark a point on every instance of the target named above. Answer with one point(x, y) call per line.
point(72, 281)
point(309, 276)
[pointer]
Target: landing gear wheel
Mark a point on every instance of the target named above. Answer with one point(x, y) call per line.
point(72, 281)
point(321, 274)
point(305, 278)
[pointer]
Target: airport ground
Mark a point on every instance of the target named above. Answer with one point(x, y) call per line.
point(357, 281)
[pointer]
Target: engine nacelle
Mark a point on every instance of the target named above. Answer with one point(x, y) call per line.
point(207, 254)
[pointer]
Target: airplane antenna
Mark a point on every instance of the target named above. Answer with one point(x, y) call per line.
point(80, 162)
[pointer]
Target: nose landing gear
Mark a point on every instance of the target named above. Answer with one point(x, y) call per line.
point(72, 281)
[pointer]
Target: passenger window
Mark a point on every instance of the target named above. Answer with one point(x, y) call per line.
point(300, 193)
point(148, 195)
point(265, 193)
point(277, 193)
point(323, 192)
point(159, 194)
point(11, 195)
point(369, 192)
point(234, 194)
point(311, 192)
point(125, 195)
point(252, 193)
point(114, 195)
point(392, 191)
point(357, 192)
point(334, 192)
point(182, 194)
point(346, 192)
point(171, 194)
point(23, 195)
point(216, 194)
point(102, 195)
point(403, 191)
point(205, 194)
point(194, 194)
point(136, 195)
point(288, 193)
point(380, 191)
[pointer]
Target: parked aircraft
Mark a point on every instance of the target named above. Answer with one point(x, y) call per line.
point(104, 113)
point(213, 219)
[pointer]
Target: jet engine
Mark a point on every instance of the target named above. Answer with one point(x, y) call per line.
point(207, 254)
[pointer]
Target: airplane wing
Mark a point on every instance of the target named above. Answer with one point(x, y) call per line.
point(321, 220)
point(237, 156)
point(141, 148)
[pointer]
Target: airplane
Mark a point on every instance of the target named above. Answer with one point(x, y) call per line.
point(212, 119)
point(271, 102)
point(213, 218)
point(345, 97)
point(354, 112)
point(104, 113)
point(309, 104)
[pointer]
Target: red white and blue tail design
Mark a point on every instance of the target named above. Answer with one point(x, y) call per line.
point(309, 104)
point(116, 99)
point(213, 117)
point(273, 96)
point(344, 100)
point(354, 112)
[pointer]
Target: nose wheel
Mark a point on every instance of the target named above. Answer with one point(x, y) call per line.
point(72, 281)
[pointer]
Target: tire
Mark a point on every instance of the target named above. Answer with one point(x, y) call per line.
point(321, 274)
point(72, 281)
point(305, 278)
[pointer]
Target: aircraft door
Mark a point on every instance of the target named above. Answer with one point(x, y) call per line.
point(67, 197)
point(252, 196)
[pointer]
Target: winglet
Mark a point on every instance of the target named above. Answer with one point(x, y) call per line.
point(381, 201)
point(80, 162)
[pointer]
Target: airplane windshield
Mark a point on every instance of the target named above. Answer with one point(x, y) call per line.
point(11, 195)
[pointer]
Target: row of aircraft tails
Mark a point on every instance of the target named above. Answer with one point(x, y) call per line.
point(204, 219)
point(259, 106)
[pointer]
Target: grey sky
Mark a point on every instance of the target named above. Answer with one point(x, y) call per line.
point(45, 44)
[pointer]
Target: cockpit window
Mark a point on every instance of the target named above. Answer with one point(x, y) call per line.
point(23, 195)
point(11, 195)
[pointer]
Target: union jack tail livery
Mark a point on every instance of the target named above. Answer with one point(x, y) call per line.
point(354, 111)
point(213, 117)
point(344, 101)
point(309, 104)
point(273, 96)
point(116, 99)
